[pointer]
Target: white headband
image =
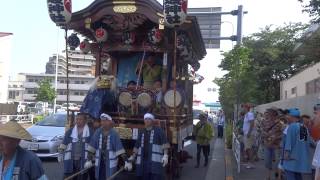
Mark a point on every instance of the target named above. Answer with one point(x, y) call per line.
point(148, 116)
point(104, 116)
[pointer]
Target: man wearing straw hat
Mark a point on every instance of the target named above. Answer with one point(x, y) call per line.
point(15, 162)
point(75, 147)
point(107, 147)
point(150, 151)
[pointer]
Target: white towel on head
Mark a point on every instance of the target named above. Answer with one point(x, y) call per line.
point(74, 133)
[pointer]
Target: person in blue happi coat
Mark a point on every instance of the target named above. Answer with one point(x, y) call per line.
point(296, 158)
point(17, 163)
point(150, 151)
point(75, 147)
point(107, 147)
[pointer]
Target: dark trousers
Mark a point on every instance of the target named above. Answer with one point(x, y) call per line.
point(205, 149)
point(77, 168)
point(293, 175)
point(220, 131)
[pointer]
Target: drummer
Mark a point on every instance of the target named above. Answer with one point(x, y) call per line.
point(150, 71)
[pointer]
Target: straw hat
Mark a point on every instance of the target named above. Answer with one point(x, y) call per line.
point(13, 130)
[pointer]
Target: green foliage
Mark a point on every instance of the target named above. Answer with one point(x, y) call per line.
point(45, 92)
point(228, 135)
point(264, 59)
point(38, 118)
point(313, 8)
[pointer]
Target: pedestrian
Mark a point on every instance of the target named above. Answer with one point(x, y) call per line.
point(75, 147)
point(150, 151)
point(106, 145)
point(315, 134)
point(271, 135)
point(15, 162)
point(296, 158)
point(248, 139)
point(221, 120)
point(203, 133)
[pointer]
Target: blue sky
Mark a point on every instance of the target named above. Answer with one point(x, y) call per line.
point(36, 36)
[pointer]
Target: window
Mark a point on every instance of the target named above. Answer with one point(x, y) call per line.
point(15, 86)
point(77, 82)
point(294, 90)
point(81, 93)
point(17, 93)
point(77, 93)
point(31, 80)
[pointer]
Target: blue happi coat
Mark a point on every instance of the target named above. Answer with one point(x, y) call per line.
point(68, 145)
point(113, 149)
point(98, 101)
point(27, 166)
point(297, 144)
point(156, 145)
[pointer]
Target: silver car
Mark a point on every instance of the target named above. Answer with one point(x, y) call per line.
point(47, 135)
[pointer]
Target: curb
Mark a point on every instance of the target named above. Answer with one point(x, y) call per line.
point(228, 163)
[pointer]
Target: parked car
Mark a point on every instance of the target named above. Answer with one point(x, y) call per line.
point(47, 135)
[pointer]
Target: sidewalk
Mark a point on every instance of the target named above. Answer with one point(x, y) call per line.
point(216, 169)
point(259, 172)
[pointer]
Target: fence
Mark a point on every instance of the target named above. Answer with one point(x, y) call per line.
point(236, 148)
point(22, 119)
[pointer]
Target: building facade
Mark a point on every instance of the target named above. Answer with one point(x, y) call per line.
point(16, 89)
point(5, 56)
point(304, 83)
point(79, 64)
point(78, 86)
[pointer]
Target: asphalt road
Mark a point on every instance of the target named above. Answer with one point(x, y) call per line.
point(54, 170)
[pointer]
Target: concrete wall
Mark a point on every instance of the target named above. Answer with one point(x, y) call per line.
point(299, 80)
point(304, 103)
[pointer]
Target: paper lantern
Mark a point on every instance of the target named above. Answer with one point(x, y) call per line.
point(129, 37)
point(175, 12)
point(85, 46)
point(73, 41)
point(155, 35)
point(101, 34)
point(60, 11)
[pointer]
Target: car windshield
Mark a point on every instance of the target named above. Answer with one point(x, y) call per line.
point(196, 113)
point(57, 120)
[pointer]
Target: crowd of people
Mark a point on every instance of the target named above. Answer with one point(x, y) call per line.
point(288, 139)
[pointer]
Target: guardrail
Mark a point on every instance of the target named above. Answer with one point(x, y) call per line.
point(236, 148)
point(19, 118)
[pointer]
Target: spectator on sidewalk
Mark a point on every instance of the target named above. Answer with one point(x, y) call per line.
point(315, 135)
point(296, 160)
point(203, 133)
point(221, 119)
point(248, 127)
point(271, 137)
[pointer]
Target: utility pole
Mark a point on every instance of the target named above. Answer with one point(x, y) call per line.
point(239, 42)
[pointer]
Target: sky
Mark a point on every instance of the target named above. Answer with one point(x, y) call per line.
point(35, 36)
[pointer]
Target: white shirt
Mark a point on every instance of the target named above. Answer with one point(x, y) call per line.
point(246, 122)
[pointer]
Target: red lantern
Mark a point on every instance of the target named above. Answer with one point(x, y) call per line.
point(60, 11)
point(85, 46)
point(101, 35)
point(175, 12)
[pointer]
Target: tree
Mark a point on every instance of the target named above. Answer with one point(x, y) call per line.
point(313, 8)
point(45, 92)
point(266, 58)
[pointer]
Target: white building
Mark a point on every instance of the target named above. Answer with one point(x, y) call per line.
point(5, 56)
point(303, 83)
point(78, 86)
point(16, 89)
point(79, 64)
